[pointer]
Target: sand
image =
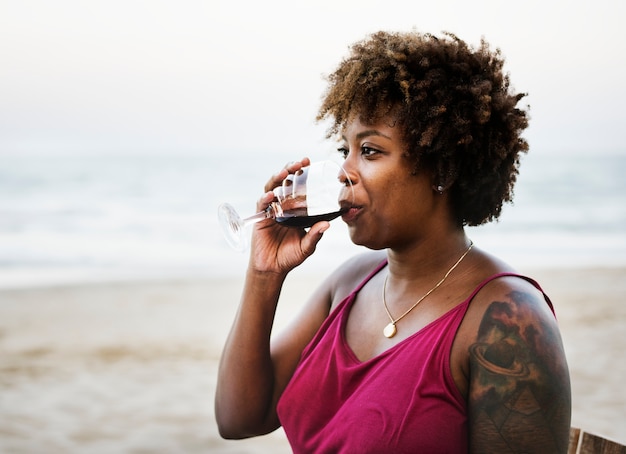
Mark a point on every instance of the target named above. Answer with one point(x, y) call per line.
point(130, 367)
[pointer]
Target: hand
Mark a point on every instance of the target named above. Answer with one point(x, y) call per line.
point(276, 248)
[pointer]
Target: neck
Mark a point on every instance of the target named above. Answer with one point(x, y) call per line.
point(428, 257)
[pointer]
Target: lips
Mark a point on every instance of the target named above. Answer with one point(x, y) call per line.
point(350, 213)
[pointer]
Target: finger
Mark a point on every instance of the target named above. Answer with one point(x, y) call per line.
point(291, 167)
point(294, 166)
point(265, 200)
point(276, 179)
point(305, 161)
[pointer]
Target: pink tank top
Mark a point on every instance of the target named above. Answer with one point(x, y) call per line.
point(403, 400)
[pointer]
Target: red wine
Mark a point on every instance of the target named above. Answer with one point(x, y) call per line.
point(307, 221)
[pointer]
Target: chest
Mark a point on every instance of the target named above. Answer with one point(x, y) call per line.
point(367, 318)
point(400, 399)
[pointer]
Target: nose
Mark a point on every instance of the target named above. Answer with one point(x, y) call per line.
point(346, 198)
point(344, 178)
point(348, 176)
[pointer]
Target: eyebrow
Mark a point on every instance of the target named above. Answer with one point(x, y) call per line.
point(367, 133)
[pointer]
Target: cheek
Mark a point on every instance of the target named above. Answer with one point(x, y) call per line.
point(403, 191)
point(408, 201)
point(390, 202)
point(388, 182)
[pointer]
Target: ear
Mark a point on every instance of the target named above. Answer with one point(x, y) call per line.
point(444, 176)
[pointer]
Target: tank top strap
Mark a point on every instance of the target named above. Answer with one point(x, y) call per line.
point(526, 278)
point(480, 286)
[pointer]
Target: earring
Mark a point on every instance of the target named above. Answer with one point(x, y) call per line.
point(440, 189)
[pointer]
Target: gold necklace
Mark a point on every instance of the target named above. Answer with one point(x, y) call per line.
point(391, 330)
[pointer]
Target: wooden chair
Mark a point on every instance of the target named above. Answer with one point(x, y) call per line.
point(581, 442)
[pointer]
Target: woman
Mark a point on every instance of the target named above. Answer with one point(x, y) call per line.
point(427, 343)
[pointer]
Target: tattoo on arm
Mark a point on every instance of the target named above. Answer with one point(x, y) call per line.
point(519, 392)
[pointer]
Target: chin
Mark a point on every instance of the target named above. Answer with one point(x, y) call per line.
point(365, 240)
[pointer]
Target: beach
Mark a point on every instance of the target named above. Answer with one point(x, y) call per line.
point(130, 366)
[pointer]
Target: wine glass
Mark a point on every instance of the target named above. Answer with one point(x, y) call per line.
point(321, 191)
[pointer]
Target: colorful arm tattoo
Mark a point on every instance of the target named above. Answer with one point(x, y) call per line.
point(519, 398)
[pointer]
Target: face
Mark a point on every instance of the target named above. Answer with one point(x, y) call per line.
point(392, 205)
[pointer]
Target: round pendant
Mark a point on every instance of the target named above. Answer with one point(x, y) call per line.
point(390, 330)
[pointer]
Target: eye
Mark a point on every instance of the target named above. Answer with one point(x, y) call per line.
point(368, 151)
point(343, 151)
point(365, 151)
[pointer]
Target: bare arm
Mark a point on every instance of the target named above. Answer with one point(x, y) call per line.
point(253, 372)
point(519, 399)
point(245, 386)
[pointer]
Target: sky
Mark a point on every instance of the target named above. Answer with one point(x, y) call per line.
point(213, 77)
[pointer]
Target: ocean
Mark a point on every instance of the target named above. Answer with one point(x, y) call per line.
point(76, 218)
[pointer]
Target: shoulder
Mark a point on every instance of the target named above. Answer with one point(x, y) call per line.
point(339, 284)
point(508, 306)
point(513, 294)
point(343, 280)
point(516, 362)
point(496, 285)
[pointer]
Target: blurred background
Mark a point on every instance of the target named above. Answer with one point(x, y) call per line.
point(123, 124)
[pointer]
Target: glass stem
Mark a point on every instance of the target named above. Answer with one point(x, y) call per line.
point(261, 215)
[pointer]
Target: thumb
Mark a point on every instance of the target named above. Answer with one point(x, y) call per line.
point(313, 236)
